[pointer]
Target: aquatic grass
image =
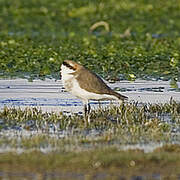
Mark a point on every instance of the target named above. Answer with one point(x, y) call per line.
point(44, 154)
point(128, 123)
point(124, 115)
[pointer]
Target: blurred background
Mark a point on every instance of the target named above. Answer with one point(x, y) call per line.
point(115, 38)
point(135, 40)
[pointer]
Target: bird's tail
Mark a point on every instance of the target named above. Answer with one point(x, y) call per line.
point(120, 96)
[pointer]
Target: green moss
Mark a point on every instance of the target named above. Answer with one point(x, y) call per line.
point(37, 36)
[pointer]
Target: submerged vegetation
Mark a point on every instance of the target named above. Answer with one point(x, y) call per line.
point(138, 39)
point(54, 145)
point(116, 125)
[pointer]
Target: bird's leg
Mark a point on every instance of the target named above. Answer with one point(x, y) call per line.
point(85, 114)
point(87, 109)
point(99, 104)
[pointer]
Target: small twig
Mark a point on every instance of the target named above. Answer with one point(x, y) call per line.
point(100, 23)
point(126, 33)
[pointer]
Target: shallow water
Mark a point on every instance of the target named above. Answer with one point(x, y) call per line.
point(81, 176)
point(50, 96)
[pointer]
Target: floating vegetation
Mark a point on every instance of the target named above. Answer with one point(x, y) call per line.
point(128, 123)
point(140, 39)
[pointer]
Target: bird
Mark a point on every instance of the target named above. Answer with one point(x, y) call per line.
point(86, 85)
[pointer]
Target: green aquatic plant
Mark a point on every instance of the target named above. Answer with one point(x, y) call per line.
point(37, 37)
point(66, 138)
point(130, 116)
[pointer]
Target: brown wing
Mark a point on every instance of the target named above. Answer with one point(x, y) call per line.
point(91, 82)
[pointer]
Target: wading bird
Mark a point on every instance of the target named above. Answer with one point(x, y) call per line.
point(86, 85)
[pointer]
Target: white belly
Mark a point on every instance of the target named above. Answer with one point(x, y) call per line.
point(85, 95)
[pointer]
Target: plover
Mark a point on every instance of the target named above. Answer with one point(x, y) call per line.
point(86, 85)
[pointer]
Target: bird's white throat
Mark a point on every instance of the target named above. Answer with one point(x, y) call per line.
point(66, 73)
